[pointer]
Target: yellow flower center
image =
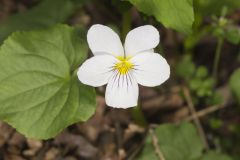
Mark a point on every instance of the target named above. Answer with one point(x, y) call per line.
point(124, 66)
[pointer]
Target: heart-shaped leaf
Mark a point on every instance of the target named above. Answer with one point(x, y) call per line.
point(40, 94)
point(176, 142)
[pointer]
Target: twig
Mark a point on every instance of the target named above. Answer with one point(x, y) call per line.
point(204, 112)
point(156, 145)
point(198, 114)
point(195, 117)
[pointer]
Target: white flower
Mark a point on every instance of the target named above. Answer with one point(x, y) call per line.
point(122, 69)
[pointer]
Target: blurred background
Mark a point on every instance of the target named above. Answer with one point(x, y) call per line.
point(195, 115)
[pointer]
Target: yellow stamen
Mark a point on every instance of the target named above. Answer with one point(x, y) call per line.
point(124, 66)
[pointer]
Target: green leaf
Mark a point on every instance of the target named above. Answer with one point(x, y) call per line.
point(215, 156)
point(201, 72)
point(185, 68)
point(176, 142)
point(149, 152)
point(48, 12)
point(40, 94)
point(235, 84)
point(215, 99)
point(202, 92)
point(195, 84)
point(232, 34)
point(175, 14)
point(208, 83)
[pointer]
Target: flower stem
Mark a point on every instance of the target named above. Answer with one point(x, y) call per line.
point(138, 116)
point(135, 112)
point(126, 23)
point(217, 57)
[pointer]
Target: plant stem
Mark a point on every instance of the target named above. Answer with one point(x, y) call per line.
point(138, 116)
point(126, 23)
point(197, 122)
point(217, 57)
point(135, 112)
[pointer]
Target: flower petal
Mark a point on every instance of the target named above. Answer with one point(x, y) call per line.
point(141, 39)
point(97, 70)
point(122, 91)
point(103, 39)
point(150, 69)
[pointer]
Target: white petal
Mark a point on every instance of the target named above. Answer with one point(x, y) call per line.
point(103, 39)
point(141, 39)
point(151, 69)
point(97, 70)
point(122, 91)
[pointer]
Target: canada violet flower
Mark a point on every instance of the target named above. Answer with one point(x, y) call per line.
point(123, 68)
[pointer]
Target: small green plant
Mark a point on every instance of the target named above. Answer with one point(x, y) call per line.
point(172, 142)
point(198, 80)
